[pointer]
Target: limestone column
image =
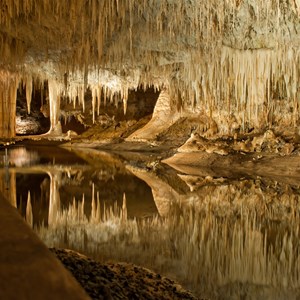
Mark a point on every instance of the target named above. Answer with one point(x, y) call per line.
point(8, 99)
point(54, 103)
point(163, 117)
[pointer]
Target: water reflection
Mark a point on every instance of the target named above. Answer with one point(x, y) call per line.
point(223, 239)
point(18, 157)
point(232, 240)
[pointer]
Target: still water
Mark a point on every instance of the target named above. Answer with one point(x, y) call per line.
point(222, 238)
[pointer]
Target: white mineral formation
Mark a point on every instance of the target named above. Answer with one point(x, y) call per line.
point(226, 58)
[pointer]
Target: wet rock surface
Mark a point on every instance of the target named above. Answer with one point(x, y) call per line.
point(119, 280)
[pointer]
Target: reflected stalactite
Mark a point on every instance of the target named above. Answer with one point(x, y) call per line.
point(81, 214)
point(221, 238)
point(96, 207)
point(99, 227)
point(29, 215)
point(76, 212)
point(233, 252)
point(54, 198)
point(124, 208)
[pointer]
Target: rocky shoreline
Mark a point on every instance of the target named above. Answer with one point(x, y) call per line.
point(119, 280)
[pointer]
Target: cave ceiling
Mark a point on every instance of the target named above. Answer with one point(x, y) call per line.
point(144, 35)
point(232, 54)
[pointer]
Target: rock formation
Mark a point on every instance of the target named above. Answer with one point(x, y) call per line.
point(235, 63)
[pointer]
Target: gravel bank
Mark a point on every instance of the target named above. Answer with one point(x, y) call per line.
point(119, 280)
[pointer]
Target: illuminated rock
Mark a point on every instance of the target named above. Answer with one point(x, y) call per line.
point(232, 59)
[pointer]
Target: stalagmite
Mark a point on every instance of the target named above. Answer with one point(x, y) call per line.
point(163, 117)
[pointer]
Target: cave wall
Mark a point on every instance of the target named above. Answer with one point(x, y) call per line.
point(8, 98)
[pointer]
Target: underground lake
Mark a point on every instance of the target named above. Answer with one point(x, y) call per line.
point(225, 237)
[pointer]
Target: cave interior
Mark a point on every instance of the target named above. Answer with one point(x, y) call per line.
point(151, 71)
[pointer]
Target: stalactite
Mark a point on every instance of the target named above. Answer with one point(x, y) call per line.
point(179, 41)
point(99, 90)
point(125, 105)
point(94, 96)
point(124, 96)
point(28, 83)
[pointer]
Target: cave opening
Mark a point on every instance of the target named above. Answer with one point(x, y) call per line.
point(36, 121)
